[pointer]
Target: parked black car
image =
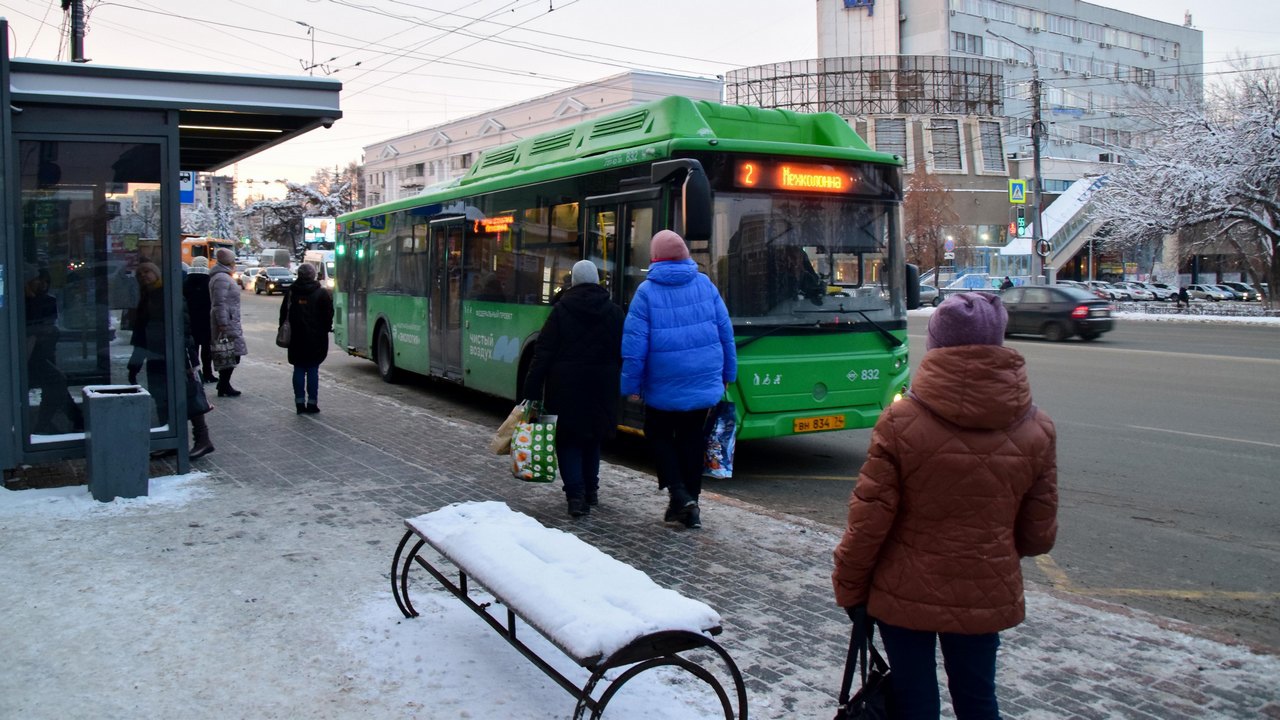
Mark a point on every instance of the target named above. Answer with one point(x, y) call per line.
point(272, 280)
point(1057, 312)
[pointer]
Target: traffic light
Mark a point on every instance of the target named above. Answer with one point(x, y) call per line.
point(1022, 220)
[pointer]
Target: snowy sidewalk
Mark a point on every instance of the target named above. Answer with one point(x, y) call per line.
point(260, 590)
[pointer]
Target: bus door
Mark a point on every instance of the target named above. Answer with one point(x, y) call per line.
point(445, 305)
point(355, 286)
point(619, 228)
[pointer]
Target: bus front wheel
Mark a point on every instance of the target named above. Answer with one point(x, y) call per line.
point(386, 357)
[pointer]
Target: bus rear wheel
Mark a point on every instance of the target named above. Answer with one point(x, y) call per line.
point(386, 357)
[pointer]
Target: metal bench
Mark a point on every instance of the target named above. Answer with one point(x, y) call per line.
point(600, 612)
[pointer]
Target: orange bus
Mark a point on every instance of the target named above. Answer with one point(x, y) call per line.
point(196, 246)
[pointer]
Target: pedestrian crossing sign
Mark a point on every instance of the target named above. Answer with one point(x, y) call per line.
point(1018, 192)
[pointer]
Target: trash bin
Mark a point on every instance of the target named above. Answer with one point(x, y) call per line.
point(117, 440)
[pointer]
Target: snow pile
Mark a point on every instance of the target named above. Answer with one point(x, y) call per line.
point(169, 491)
point(588, 602)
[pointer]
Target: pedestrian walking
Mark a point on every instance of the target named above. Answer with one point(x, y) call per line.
point(956, 489)
point(195, 290)
point(308, 307)
point(574, 374)
point(1006, 284)
point(1184, 298)
point(224, 314)
point(678, 355)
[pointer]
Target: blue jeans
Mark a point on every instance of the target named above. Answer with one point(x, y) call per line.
point(310, 376)
point(970, 661)
point(579, 462)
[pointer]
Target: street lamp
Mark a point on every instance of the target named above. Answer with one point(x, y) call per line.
point(1039, 272)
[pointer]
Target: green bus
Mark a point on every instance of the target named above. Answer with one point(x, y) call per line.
point(793, 217)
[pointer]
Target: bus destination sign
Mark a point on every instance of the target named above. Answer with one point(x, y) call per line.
point(786, 175)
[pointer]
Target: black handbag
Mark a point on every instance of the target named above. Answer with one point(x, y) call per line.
point(871, 702)
point(284, 334)
point(197, 401)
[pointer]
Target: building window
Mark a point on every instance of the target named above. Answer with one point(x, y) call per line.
point(891, 136)
point(992, 146)
point(945, 137)
point(966, 43)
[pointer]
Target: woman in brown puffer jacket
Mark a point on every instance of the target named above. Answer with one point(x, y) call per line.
point(959, 484)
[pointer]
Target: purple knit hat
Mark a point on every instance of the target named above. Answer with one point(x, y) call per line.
point(968, 319)
point(667, 245)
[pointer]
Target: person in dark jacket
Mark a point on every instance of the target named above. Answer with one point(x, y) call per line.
point(195, 290)
point(575, 374)
point(678, 355)
point(957, 488)
point(42, 359)
point(148, 338)
point(309, 309)
point(1007, 284)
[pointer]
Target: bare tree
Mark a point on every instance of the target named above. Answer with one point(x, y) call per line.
point(926, 213)
point(1211, 173)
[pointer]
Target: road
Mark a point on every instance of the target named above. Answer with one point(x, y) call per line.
point(1169, 462)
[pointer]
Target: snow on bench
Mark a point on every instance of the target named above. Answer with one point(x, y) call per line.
point(599, 611)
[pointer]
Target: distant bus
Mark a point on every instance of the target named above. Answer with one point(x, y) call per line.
point(792, 216)
point(323, 261)
point(205, 247)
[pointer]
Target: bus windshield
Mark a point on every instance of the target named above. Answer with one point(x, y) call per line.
point(796, 260)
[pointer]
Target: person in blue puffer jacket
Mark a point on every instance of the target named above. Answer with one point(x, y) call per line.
point(678, 356)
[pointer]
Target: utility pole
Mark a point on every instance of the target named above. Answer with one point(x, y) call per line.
point(76, 7)
point(1040, 273)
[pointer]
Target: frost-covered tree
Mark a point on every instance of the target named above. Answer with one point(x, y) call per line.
point(329, 194)
point(926, 213)
point(1211, 173)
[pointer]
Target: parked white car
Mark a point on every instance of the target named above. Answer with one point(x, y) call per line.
point(1160, 290)
point(1136, 290)
point(1107, 290)
point(1207, 292)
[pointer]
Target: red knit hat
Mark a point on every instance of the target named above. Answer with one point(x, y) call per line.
point(667, 245)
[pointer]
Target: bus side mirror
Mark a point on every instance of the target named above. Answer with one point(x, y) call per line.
point(695, 194)
point(913, 286)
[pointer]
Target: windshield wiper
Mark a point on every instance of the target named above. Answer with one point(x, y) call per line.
point(893, 339)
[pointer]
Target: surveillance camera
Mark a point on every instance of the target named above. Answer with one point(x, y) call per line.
point(327, 122)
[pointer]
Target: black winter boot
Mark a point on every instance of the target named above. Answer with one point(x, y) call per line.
point(578, 507)
point(203, 445)
point(311, 408)
point(301, 408)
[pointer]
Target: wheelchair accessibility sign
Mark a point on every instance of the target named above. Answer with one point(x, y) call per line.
point(1018, 192)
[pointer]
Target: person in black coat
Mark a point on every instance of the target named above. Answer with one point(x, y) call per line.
point(309, 309)
point(575, 373)
point(195, 290)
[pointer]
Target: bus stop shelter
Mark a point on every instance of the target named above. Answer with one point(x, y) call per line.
point(89, 192)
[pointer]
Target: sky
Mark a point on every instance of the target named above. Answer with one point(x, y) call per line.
point(411, 64)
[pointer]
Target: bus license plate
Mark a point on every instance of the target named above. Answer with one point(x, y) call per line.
point(814, 424)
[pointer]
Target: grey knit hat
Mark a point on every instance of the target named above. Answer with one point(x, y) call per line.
point(585, 271)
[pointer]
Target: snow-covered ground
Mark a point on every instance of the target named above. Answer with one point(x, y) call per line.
point(208, 600)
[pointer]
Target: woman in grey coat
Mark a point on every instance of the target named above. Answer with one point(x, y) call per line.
point(224, 315)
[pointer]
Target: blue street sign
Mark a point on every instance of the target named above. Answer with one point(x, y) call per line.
point(1018, 192)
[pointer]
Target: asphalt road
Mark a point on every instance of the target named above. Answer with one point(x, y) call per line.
point(1169, 462)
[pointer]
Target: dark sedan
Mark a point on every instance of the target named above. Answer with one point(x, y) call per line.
point(271, 280)
point(1057, 312)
